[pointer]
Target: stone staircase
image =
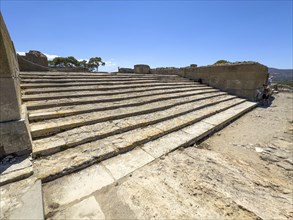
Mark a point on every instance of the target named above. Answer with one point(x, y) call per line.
point(78, 119)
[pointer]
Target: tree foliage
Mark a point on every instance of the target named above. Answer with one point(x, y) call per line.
point(64, 62)
point(221, 62)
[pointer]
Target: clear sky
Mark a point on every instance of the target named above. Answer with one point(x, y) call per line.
point(158, 33)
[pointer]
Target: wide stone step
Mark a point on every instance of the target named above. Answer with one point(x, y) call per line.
point(92, 76)
point(84, 155)
point(70, 84)
point(47, 127)
point(31, 78)
point(162, 95)
point(101, 80)
point(57, 112)
point(83, 74)
point(103, 88)
point(82, 93)
point(80, 135)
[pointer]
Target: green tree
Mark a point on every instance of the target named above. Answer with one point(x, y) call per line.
point(221, 62)
point(91, 65)
point(94, 63)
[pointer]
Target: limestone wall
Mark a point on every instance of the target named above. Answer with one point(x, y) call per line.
point(241, 79)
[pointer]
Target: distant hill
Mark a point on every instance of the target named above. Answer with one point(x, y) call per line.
point(281, 74)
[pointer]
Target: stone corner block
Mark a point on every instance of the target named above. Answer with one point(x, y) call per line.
point(15, 136)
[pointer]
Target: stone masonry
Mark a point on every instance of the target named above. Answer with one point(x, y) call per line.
point(14, 131)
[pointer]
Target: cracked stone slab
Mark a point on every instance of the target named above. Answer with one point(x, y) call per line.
point(124, 164)
point(15, 168)
point(22, 200)
point(86, 209)
point(75, 187)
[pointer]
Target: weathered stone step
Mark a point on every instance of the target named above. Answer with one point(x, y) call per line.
point(52, 126)
point(163, 95)
point(82, 93)
point(77, 158)
point(74, 137)
point(142, 104)
point(70, 84)
point(91, 76)
point(103, 88)
point(81, 74)
point(105, 80)
point(109, 77)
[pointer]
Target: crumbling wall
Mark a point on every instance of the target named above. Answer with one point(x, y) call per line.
point(26, 65)
point(241, 79)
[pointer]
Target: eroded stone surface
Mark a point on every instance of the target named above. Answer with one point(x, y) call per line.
point(54, 125)
point(15, 168)
point(93, 132)
point(22, 200)
point(124, 164)
point(86, 209)
point(73, 187)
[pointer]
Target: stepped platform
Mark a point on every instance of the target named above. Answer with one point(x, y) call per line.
point(109, 125)
point(79, 119)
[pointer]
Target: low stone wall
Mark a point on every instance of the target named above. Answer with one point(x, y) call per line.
point(125, 70)
point(241, 79)
point(68, 69)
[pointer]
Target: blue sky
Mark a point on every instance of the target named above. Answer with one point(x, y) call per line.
point(158, 33)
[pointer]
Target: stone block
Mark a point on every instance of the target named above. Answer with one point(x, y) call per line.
point(142, 69)
point(15, 136)
point(32, 204)
point(10, 99)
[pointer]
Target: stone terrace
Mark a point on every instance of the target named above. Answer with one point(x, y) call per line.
point(119, 122)
point(77, 119)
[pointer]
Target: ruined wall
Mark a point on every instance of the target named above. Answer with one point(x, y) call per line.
point(26, 65)
point(241, 79)
point(33, 61)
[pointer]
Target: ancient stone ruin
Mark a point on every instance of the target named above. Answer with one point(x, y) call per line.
point(33, 61)
point(111, 124)
point(14, 132)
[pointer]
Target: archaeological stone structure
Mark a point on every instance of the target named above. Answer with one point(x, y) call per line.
point(142, 69)
point(113, 124)
point(14, 132)
point(241, 79)
point(33, 61)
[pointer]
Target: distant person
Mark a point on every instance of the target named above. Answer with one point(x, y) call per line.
point(266, 94)
point(270, 81)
